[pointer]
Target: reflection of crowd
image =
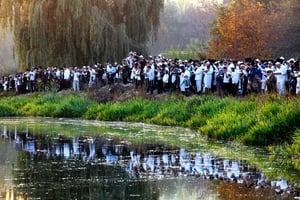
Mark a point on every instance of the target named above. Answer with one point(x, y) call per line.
point(202, 165)
point(149, 164)
point(225, 77)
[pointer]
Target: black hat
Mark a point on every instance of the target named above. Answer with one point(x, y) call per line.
point(211, 60)
point(279, 60)
point(248, 60)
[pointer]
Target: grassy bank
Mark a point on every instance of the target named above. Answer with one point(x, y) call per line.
point(269, 120)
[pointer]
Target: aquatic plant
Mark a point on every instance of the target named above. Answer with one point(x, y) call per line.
point(288, 152)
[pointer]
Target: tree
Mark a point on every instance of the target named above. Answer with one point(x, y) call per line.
point(196, 50)
point(76, 32)
point(244, 28)
point(289, 25)
point(182, 23)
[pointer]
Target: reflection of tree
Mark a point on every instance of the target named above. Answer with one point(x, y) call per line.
point(7, 157)
point(78, 32)
point(230, 191)
point(73, 179)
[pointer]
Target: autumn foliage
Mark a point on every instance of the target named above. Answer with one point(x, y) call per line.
point(244, 28)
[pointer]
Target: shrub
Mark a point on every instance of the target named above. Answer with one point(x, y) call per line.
point(71, 106)
point(6, 110)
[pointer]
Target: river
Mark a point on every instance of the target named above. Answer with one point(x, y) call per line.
point(45, 158)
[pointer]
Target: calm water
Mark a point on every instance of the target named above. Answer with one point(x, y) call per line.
point(70, 159)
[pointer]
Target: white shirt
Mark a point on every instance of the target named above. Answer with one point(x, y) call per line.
point(208, 77)
point(227, 76)
point(151, 73)
point(236, 76)
point(199, 73)
point(284, 69)
point(76, 75)
point(32, 75)
point(67, 74)
point(280, 74)
point(92, 74)
point(110, 69)
point(187, 73)
point(138, 74)
point(166, 78)
point(57, 74)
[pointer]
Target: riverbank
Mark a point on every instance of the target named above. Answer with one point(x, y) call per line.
point(263, 120)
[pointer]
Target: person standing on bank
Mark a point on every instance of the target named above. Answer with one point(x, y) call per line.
point(151, 78)
point(208, 73)
point(76, 79)
point(199, 77)
point(125, 71)
point(280, 74)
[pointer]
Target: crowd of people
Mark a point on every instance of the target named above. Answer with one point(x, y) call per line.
point(159, 74)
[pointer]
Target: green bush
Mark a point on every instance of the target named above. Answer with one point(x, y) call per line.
point(72, 107)
point(6, 110)
point(118, 111)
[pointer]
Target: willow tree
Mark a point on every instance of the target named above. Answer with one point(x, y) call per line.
point(76, 32)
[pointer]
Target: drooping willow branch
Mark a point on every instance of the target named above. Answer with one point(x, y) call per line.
point(77, 32)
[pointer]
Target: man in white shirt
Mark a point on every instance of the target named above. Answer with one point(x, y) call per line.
point(208, 73)
point(67, 76)
point(92, 78)
point(32, 78)
point(76, 79)
point(281, 76)
point(111, 72)
point(235, 75)
point(165, 80)
point(151, 77)
point(199, 77)
point(227, 80)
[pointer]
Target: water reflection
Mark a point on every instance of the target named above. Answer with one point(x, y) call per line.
point(8, 156)
point(85, 167)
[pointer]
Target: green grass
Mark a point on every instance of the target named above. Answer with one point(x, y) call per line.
point(50, 105)
point(258, 120)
